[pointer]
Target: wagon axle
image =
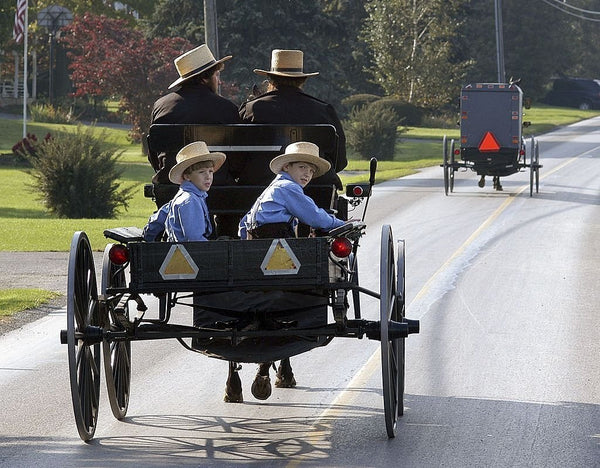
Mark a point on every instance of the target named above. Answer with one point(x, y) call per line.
point(395, 329)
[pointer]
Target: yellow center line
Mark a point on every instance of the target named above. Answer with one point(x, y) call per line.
point(373, 364)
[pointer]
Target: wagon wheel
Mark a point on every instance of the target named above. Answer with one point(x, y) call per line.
point(116, 354)
point(537, 167)
point(531, 166)
point(353, 264)
point(391, 361)
point(399, 316)
point(451, 168)
point(84, 358)
point(445, 165)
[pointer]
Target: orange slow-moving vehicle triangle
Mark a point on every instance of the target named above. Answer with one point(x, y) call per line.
point(489, 143)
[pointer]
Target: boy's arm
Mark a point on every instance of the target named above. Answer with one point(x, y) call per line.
point(305, 209)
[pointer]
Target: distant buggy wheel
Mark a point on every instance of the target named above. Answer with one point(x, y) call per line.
point(392, 361)
point(446, 165)
point(117, 354)
point(451, 168)
point(84, 355)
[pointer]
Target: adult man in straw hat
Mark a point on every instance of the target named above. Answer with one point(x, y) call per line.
point(286, 103)
point(194, 100)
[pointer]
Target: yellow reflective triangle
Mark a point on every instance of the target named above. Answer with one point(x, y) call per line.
point(178, 265)
point(280, 260)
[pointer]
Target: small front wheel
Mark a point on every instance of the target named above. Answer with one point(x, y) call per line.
point(117, 354)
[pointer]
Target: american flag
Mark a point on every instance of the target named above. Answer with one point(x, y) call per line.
point(19, 28)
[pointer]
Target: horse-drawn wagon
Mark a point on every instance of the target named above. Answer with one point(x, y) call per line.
point(307, 281)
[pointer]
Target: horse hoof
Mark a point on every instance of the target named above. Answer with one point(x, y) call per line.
point(261, 387)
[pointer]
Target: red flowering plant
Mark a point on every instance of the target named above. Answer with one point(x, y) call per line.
point(28, 149)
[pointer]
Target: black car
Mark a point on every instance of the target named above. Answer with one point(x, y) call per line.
point(574, 92)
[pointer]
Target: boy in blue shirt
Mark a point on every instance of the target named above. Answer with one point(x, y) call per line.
point(283, 203)
point(275, 214)
point(186, 217)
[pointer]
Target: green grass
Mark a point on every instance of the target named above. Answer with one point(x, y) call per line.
point(14, 300)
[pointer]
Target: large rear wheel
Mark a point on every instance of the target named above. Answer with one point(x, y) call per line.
point(117, 354)
point(391, 349)
point(399, 317)
point(83, 319)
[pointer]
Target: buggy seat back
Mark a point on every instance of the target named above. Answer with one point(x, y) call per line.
point(249, 149)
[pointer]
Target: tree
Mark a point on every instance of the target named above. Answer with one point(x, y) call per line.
point(412, 46)
point(108, 58)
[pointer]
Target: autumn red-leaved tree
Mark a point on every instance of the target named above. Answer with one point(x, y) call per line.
point(110, 58)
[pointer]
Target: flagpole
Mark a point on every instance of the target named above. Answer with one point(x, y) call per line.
point(25, 31)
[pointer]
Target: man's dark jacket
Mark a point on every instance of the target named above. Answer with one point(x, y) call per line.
point(289, 105)
point(192, 104)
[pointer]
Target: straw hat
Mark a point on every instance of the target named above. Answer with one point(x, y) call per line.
point(192, 154)
point(302, 151)
point(194, 62)
point(286, 63)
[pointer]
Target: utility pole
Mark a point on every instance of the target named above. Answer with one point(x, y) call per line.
point(499, 42)
point(211, 36)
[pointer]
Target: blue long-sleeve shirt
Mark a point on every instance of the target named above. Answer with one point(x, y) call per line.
point(187, 218)
point(284, 200)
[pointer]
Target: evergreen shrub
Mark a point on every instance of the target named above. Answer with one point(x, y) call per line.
point(409, 114)
point(371, 131)
point(76, 175)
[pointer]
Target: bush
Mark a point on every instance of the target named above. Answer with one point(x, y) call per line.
point(76, 175)
point(409, 114)
point(372, 131)
point(358, 100)
point(51, 114)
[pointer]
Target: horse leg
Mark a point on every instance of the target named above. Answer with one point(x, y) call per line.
point(285, 376)
point(261, 387)
point(233, 388)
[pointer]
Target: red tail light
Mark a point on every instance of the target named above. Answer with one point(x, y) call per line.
point(341, 247)
point(118, 254)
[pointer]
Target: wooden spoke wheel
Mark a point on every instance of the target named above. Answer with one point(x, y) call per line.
point(537, 167)
point(451, 168)
point(531, 167)
point(446, 165)
point(400, 314)
point(117, 354)
point(391, 358)
point(84, 358)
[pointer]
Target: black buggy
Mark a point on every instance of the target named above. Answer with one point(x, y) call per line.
point(307, 282)
point(491, 141)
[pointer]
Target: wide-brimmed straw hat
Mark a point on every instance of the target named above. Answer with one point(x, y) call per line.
point(301, 151)
point(195, 62)
point(191, 154)
point(286, 63)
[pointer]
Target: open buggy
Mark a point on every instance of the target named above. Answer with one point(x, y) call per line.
point(491, 141)
point(304, 282)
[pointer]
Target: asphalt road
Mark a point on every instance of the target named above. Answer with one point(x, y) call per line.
point(505, 371)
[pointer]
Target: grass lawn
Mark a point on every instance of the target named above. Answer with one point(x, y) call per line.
point(12, 300)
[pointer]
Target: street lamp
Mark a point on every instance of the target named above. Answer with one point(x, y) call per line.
point(53, 18)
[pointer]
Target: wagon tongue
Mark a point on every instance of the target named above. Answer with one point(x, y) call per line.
point(489, 143)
